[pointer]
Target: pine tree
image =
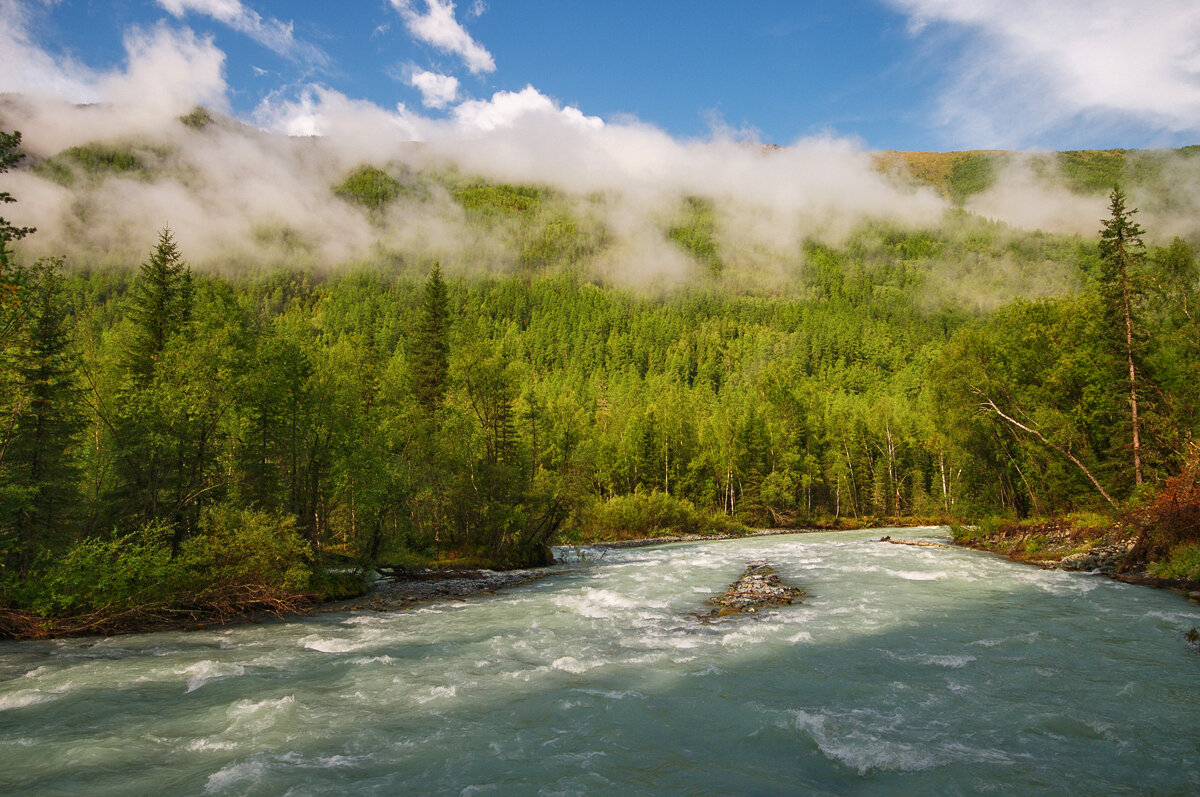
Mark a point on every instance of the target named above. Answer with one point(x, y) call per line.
point(431, 346)
point(161, 304)
point(40, 457)
point(1121, 252)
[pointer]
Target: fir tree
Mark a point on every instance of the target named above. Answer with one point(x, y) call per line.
point(161, 304)
point(431, 346)
point(1121, 252)
point(40, 459)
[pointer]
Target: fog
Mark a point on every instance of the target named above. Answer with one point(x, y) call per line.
point(258, 191)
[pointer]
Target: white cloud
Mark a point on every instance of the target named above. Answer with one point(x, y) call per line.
point(437, 91)
point(273, 34)
point(506, 108)
point(166, 73)
point(27, 68)
point(438, 28)
point(1032, 67)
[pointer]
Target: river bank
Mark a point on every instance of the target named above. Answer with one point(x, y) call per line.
point(1107, 549)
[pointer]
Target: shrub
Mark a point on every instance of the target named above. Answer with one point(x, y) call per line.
point(244, 547)
point(1183, 562)
point(110, 575)
point(646, 515)
point(239, 559)
point(1173, 518)
point(491, 198)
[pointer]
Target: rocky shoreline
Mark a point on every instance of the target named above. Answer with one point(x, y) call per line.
point(1057, 546)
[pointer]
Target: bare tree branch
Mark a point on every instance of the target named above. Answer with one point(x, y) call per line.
point(990, 406)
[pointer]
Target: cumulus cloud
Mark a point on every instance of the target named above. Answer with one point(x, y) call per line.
point(437, 91)
point(506, 108)
point(273, 34)
point(438, 28)
point(1033, 67)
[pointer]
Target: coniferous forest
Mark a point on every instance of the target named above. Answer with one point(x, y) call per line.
point(177, 441)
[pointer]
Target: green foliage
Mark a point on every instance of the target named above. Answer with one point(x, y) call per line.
point(1092, 171)
point(109, 575)
point(238, 553)
point(160, 303)
point(430, 364)
point(95, 161)
point(37, 464)
point(972, 173)
point(642, 515)
point(198, 119)
point(240, 547)
point(490, 199)
point(370, 187)
point(10, 155)
point(696, 234)
point(1183, 562)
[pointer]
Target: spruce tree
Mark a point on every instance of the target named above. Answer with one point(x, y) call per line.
point(161, 304)
point(40, 458)
point(1121, 252)
point(431, 345)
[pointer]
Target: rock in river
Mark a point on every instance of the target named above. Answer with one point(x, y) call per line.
point(759, 586)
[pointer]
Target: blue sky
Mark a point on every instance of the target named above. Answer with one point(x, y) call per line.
point(888, 74)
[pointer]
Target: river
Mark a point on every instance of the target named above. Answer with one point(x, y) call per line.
point(906, 670)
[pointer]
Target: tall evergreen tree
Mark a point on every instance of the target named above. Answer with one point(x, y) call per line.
point(431, 346)
point(1121, 252)
point(161, 304)
point(40, 459)
point(149, 458)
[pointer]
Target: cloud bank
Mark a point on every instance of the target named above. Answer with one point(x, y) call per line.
point(260, 193)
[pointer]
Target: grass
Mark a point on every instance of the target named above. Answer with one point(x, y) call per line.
point(956, 175)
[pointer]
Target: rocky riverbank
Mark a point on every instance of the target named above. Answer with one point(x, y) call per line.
point(1062, 545)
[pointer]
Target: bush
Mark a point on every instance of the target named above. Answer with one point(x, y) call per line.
point(243, 547)
point(1173, 518)
point(647, 515)
point(239, 559)
point(1183, 563)
point(493, 198)
point(111, 575)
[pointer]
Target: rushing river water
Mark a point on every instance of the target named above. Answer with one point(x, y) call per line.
point(906, 671)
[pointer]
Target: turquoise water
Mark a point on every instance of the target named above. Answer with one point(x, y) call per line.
point(906, 671)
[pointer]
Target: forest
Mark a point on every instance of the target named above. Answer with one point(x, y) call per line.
point(177, 442)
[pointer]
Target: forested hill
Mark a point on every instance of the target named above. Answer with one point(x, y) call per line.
point(217, 428)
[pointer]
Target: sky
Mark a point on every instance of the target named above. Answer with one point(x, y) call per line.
point(884, 74)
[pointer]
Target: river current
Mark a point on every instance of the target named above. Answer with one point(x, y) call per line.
point(906, 670)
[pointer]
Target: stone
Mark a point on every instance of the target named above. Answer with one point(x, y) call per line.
point(758, 587)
